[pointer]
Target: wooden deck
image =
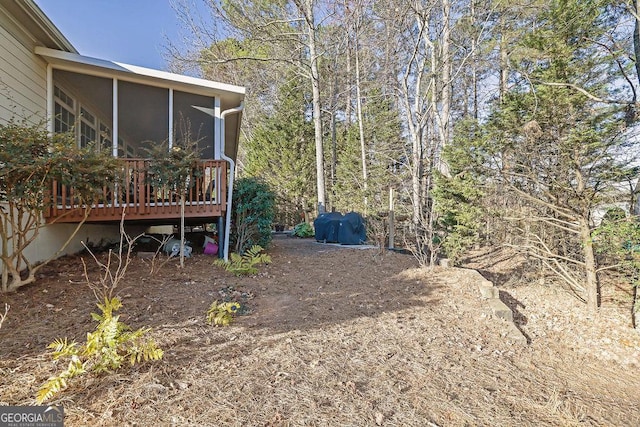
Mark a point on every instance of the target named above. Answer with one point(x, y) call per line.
point(135, 195)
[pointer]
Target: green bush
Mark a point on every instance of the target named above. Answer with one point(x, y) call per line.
point(30, 158)
point(304, 229)
point(253, 212)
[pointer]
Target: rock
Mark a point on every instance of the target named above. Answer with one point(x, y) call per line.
point(488, 291)
point(379, 418)
point(500, 309)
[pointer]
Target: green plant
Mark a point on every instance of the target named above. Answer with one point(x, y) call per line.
point(253, 212)
point(617, 242)
point(304, 229)
point(31, 158)
point(176, 170)
point(221, 314)
point(458, 194)
point(112, 344)
point(279, 151)
point(245, 264)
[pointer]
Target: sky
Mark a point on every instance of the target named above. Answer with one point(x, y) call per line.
point(129, 31)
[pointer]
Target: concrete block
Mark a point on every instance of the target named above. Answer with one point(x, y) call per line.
point(514, 334)
point(160, 229)
point(500, 309)
point(488, 291)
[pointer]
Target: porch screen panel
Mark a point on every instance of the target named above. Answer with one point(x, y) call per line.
point(142, 117)
point(194, 113)
point(84, 103)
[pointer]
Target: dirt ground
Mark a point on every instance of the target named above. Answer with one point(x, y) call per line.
point(332, 336)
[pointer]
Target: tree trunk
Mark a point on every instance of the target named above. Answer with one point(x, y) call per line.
point(504, 61)
point(591, 285)
point(636, 38)
point(317, 117)
point(474, 65)
point(446, 62)
point(363, 147)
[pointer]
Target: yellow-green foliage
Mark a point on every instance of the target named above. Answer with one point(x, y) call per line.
point(245, 264)
point(107, 348)
point(221, 314)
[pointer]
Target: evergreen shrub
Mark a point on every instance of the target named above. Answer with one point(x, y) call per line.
point(253, 213)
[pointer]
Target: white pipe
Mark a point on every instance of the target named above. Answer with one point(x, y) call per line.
point(232, 163)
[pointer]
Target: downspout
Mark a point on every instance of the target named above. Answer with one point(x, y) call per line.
point(232, 169)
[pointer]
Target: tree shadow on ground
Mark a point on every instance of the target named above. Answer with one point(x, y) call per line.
point(308, 285)
point(501, 267)
point(519, 318)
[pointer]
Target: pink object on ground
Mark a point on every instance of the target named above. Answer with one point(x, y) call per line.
point(210, 249)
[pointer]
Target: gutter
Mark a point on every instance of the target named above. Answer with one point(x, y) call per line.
point(227, 227)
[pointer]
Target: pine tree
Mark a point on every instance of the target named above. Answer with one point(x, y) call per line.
point(557, 142)
point(282, 152)
point(384, 154)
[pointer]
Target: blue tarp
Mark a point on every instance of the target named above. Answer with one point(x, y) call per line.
point(333, 227)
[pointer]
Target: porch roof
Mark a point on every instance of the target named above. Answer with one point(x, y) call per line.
point(229, 96)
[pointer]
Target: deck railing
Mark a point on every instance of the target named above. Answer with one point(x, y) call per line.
point(134, 193)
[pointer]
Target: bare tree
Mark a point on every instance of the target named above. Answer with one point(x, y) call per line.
point(284, 33)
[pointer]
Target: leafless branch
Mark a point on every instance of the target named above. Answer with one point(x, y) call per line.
point(585, 93)
point(4, 315)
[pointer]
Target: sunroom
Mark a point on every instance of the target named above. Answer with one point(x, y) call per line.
point(128, 109)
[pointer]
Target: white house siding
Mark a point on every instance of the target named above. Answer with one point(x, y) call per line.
point(52, 237)
point(22, 74)
point(23, 95)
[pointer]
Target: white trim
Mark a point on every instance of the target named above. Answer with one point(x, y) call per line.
point(103, 68)
point(50, 101)
point(114, 127)
point(170, 118)
point(42, 21)
point(232, 169)
point(217, 141)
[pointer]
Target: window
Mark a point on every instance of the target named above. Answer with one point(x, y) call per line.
point(105, 138)
point(71, 116)
point(64, 111)
point(125, 150)
point(87, 128)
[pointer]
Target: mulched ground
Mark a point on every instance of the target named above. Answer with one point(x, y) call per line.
point(332, 336)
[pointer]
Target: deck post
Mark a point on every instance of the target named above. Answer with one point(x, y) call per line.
point(220, 236)
point(217, 143)
point(170, 119)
